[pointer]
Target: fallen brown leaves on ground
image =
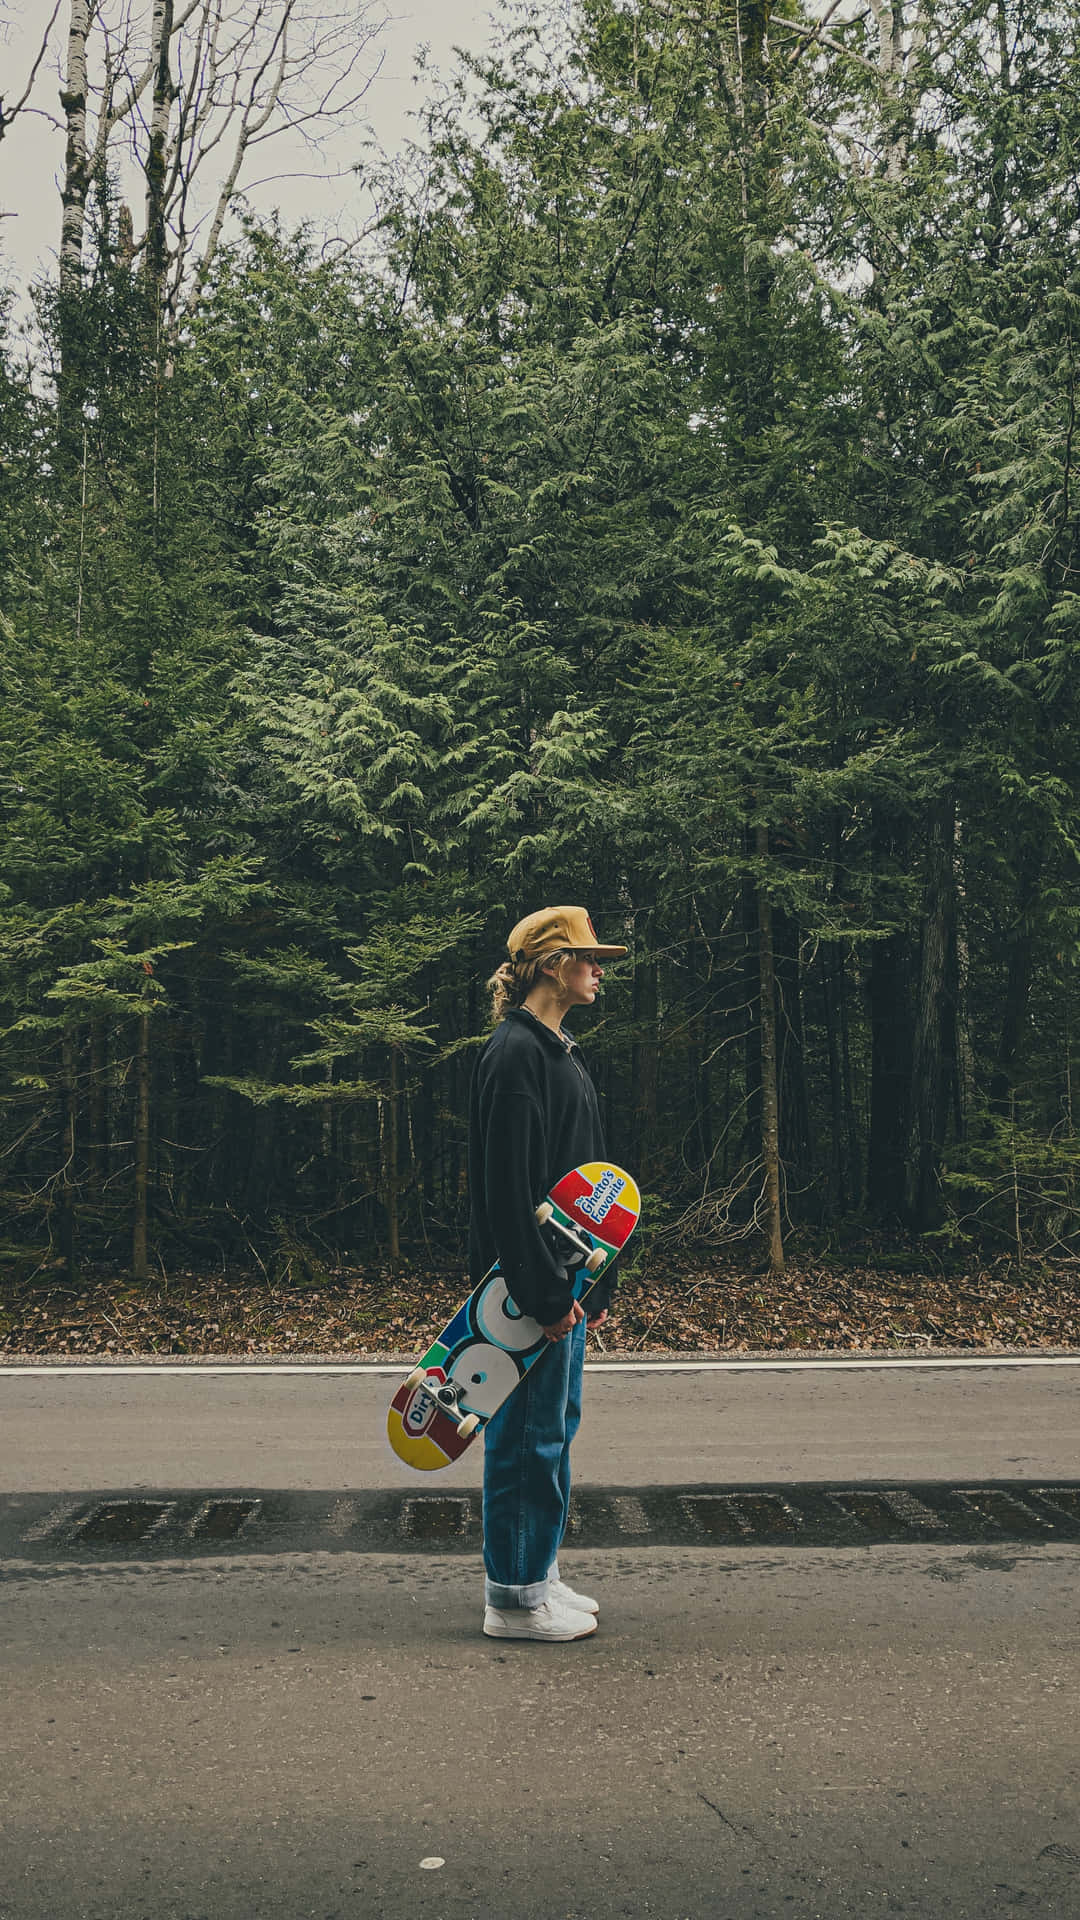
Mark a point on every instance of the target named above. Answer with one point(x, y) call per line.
point(689, 1305)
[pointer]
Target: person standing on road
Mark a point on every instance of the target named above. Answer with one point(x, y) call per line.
point(533, 1115)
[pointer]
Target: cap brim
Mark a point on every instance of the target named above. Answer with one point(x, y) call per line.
point(545, 953)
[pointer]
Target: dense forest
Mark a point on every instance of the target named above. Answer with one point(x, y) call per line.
point(673, 505)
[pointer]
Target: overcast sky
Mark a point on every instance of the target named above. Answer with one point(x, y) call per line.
point(31, 156)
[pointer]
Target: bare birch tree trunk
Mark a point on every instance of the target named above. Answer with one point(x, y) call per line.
point(155, 165)
point(76, 157)
point(73, 195)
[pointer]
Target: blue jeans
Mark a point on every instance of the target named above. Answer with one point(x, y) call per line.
point(527, 1476)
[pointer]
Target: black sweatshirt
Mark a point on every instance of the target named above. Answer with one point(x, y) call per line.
point(533, 1115)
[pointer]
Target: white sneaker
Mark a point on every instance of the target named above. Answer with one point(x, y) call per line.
point(551, 1620)
point(558, 1590)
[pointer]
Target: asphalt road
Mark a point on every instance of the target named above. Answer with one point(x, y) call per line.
point(195, 1428)
point(760, 1731)
point(886, 1731)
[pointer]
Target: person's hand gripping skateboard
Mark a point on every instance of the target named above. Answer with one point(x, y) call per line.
point(560, 1328)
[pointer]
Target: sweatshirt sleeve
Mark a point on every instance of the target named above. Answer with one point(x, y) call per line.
point(515, 1169)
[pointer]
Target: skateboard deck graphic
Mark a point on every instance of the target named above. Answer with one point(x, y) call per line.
point(488, 1347)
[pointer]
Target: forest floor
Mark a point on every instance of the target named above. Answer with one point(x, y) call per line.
point(703, 1302)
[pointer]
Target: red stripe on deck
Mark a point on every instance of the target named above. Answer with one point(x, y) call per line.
point(570, 1188)
point(617, 1224)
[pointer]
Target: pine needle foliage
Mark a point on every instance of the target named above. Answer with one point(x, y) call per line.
point(674, 509)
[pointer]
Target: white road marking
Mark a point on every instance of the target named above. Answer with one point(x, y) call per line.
point(320, 1369)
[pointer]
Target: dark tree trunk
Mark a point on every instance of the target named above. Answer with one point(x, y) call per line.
point(851, 1118)
point(140, 1256)
point(700, 1048)
point(69, 1146)
point(791, 1056)
point(98, 1109)
point(750, 1013)
point(644, 1060)
point(832, 977)
point(890, 1016)
point(770, 1090)
point(890, 1072)
point(392, 1161)
point(1020, 952)
point(214, 1034)
point(933, 1048)
point(265, 1128)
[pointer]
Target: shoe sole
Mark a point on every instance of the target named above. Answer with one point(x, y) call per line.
point(554, 1639)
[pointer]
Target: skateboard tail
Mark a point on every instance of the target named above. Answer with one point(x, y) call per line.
point(422, 1450)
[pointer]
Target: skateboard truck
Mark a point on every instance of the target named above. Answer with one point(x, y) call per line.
point(594, 1257)
point(446, 1394)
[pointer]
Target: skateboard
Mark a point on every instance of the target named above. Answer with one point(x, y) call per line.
point(489, 1346)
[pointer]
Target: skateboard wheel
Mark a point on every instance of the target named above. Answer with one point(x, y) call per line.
point(415, 1377)
point(544, 1212)
point(595, 1260)
point(468, 1426)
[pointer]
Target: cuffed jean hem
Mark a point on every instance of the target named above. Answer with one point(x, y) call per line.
point(533, 1595)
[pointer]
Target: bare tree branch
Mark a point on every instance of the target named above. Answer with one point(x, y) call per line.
point(191, 87)
point(8, 115)
point(273, 103)
point(814, 35)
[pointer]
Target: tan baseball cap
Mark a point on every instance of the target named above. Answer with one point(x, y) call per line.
point(554, 928)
